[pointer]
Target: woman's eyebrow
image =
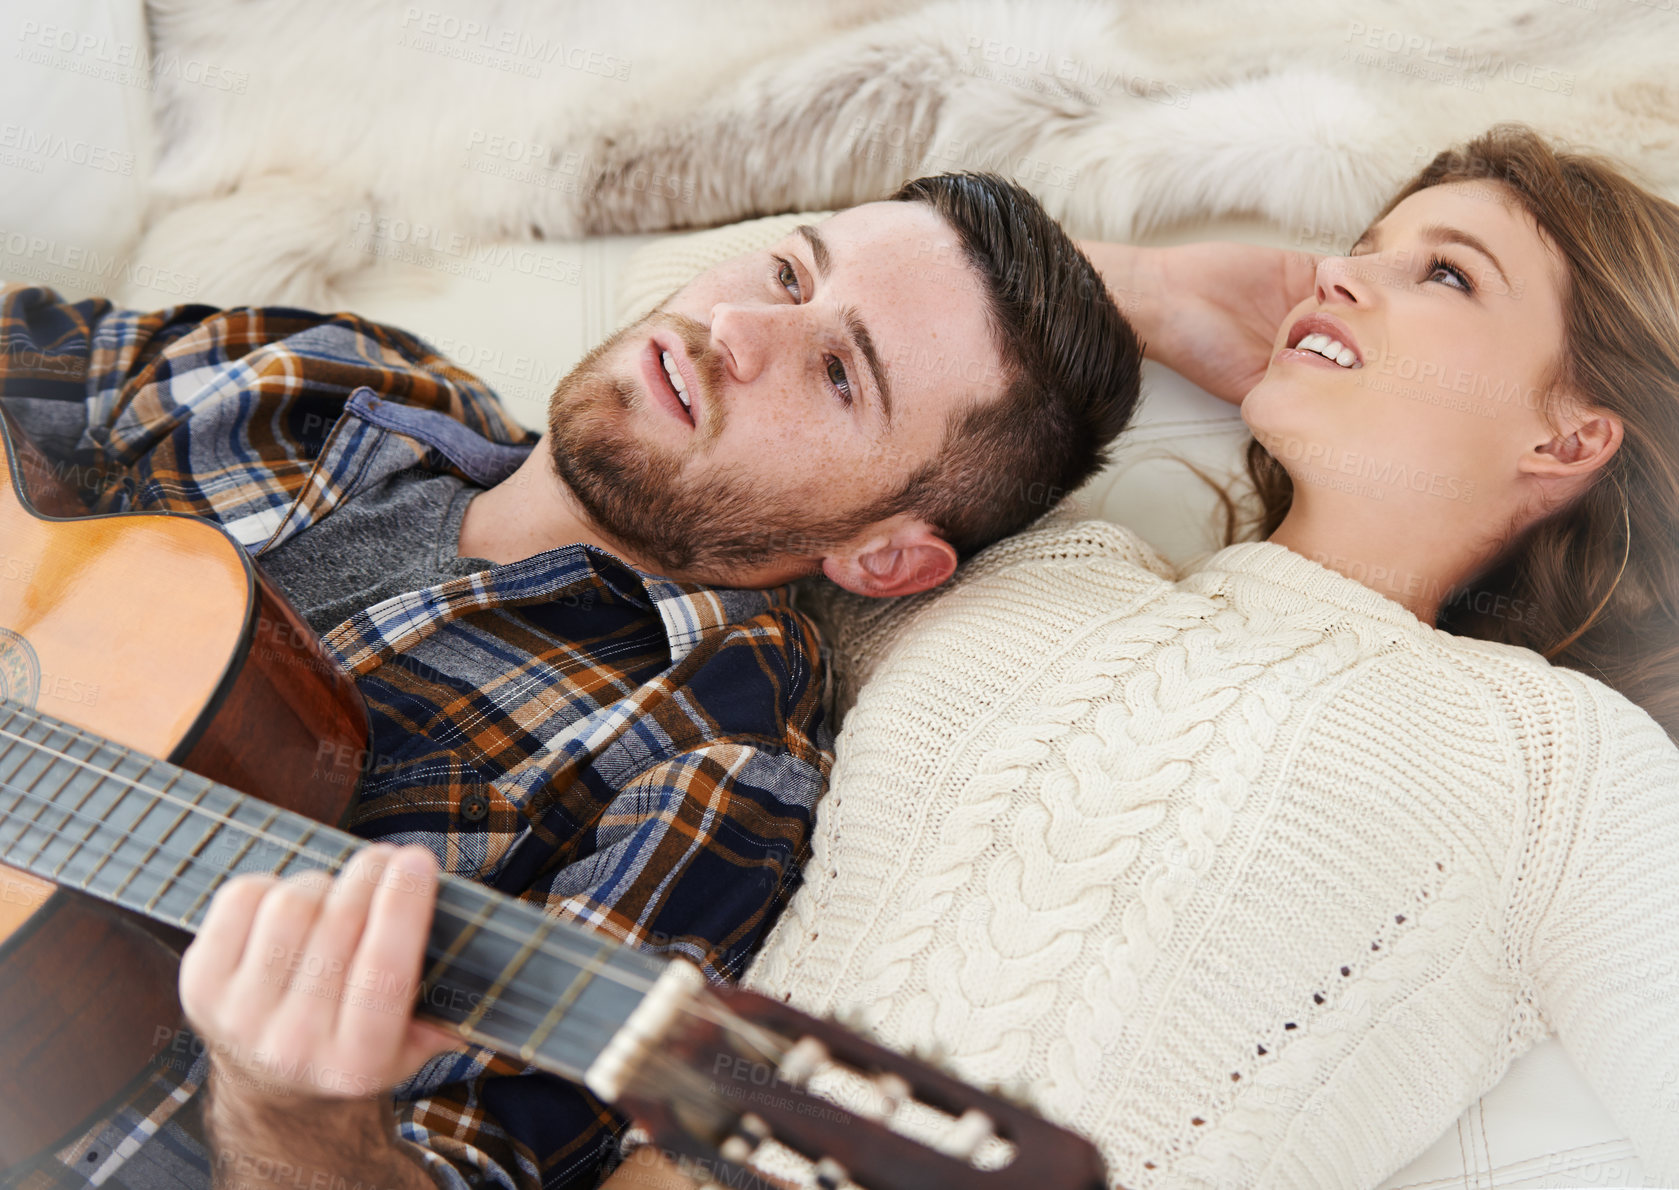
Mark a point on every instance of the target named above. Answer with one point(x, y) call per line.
point(1436, 233)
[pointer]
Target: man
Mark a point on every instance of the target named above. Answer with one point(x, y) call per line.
point(587, 684)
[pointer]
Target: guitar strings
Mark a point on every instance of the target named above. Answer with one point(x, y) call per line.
point(579, 954)
point(190, 883)
point(676, 1079)
point(552, 947)
point(328, 860)
point(511, 998)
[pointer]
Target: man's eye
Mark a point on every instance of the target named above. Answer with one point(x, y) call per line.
point(787, 275)
point(840, 381)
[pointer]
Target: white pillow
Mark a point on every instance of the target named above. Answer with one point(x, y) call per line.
point(76, 147)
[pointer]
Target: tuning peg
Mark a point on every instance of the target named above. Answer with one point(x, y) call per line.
point(965, 1136)
point(830, 1174)
point(807, 1056)
point(749, 1133)
point(893, 1089)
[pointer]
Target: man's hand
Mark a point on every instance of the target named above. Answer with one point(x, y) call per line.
point(303, 991)
point(1209, 311)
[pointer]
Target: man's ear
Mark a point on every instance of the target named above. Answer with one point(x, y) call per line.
point(901, 556)
point(1584, 442)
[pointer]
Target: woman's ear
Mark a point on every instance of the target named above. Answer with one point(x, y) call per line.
point(898, 557)
point(1585, 441)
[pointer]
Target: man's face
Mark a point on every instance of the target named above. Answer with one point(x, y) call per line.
point(820, 375)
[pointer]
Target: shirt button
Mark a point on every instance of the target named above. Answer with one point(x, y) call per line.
point(474, 806)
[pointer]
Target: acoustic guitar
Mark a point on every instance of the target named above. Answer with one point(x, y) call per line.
point(168, 721)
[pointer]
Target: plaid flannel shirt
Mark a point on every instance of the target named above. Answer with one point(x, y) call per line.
point(647, 761)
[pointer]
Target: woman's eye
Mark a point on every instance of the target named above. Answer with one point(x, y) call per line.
point(1438, 265)
point(840, 381)
point(788, 276)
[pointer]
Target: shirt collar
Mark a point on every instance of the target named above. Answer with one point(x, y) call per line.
point(690, 611)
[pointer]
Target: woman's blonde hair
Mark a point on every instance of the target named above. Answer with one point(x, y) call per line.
point(1595, 585)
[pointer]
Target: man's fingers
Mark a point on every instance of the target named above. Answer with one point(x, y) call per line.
point(274, 947)
point(424, 1042)
point(384, 973)
point(316, 973)
point(343, 916)
point(214, 955)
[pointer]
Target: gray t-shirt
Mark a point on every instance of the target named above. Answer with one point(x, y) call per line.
point(399, 535)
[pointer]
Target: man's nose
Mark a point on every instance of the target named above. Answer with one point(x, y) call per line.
point(747, 336)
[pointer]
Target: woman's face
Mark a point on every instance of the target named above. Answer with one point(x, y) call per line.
point(1448, 313)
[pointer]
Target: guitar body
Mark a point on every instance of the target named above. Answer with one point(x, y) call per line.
point(155, 631)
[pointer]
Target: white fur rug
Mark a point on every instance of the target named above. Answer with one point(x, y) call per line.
point(369, 127)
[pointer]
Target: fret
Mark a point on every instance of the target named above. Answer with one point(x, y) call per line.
point(458, 944)
point(191, 857)
point(94, 823)
point(508, 971)
point(158, 797)
point(283, 834)
point(11, 745)
point(106, 819)
point(300, 849)
point(70, 773)
point(220, 854)
point(9, 739)
point(33, 753)
point(28, 791)
point(190, 918)
point(568, 998)
point(600, 1005)
point(346, 853)
point(529, 961)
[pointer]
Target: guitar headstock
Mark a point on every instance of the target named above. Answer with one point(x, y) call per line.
point(713, 1073)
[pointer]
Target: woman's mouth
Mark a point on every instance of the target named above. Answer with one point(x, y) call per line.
point(1331, 349)
point(1323, 337)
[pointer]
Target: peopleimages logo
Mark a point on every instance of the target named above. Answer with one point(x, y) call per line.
point(50, 146)
point(502, 47)
point(40, 258)
point(97, 55)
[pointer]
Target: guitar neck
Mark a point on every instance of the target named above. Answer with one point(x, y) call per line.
point(156, 839)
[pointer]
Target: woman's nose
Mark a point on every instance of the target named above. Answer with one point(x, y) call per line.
point(1343, 279)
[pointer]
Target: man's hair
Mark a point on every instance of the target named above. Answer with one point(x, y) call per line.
point(1070, 368)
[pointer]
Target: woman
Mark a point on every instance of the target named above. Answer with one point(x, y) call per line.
point(1258, 874)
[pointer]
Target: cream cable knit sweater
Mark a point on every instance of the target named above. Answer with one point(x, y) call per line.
point(1249, 876)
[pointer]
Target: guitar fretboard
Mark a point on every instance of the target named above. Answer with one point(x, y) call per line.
point(154, 838)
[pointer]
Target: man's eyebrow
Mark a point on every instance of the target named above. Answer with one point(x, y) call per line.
point(818, 249)
point(859, 335)
point(855, 329)
point(1437, 233)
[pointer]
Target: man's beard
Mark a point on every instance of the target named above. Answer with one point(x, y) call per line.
point(662, 505)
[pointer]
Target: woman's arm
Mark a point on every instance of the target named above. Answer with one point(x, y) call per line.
point(1210, 311)
point(1605, 954)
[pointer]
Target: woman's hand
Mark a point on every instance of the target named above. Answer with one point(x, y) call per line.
point(1208, 311)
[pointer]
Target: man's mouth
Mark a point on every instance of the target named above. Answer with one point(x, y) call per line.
point(668, 373)
point(676, 381)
